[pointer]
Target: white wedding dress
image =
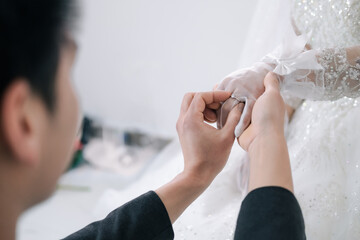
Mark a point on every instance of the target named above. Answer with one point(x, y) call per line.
point(322, 137)
point(323, 146)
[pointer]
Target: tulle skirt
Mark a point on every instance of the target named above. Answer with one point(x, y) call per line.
point(324, 148)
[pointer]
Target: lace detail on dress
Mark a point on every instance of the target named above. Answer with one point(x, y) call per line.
point(337, 75)
point(340, 78)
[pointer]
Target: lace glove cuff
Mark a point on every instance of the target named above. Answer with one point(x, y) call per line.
point(326, 74)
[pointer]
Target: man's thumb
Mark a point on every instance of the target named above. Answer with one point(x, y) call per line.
point(271, 82)
point(233, 119)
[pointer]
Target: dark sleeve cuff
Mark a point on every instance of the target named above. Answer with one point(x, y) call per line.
point(145, 217)
point(148, 218)
point(270, 213)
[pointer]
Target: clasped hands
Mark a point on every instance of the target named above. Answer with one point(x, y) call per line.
point(246, 85)
point(205, 148)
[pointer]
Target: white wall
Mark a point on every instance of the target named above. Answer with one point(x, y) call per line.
point(137, 58)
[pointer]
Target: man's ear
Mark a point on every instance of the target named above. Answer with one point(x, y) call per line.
point(21, 122)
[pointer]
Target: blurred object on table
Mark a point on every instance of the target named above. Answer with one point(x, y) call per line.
point(127, 152)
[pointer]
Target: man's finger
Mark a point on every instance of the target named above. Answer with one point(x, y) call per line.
point(188, 97)
point(205, 98)
point(271, 81)
point(214, 106)
point(210, 115)
point(233, 119)
point(246, 138)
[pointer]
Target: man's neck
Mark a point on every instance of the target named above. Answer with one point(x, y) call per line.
point(8, 219)
point(10, 209)
point(12, 196)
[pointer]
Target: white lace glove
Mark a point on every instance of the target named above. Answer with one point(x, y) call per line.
point(246, 85)
point(325, 74)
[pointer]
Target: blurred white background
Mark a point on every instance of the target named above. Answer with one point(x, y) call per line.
point(137, 58)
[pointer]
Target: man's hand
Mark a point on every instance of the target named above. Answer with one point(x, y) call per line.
point(264, 140)
point(205, 149)
point(267, 115)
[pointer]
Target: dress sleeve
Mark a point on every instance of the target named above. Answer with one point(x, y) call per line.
point(338, 76)
point(270, 213)
point(142, 218)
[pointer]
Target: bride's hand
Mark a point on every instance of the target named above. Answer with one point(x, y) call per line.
point(205, 148)
point(246, 85)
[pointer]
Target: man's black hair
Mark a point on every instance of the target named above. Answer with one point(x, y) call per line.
point(32, 33)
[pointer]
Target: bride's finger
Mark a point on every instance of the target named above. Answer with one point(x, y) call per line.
point(224, 111)
point(245, 118)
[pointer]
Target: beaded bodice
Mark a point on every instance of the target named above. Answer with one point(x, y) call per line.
point(334, 29)
point(333, 23)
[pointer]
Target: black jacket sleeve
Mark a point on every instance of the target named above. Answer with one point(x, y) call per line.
point(142, 218)
point(270, 213)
